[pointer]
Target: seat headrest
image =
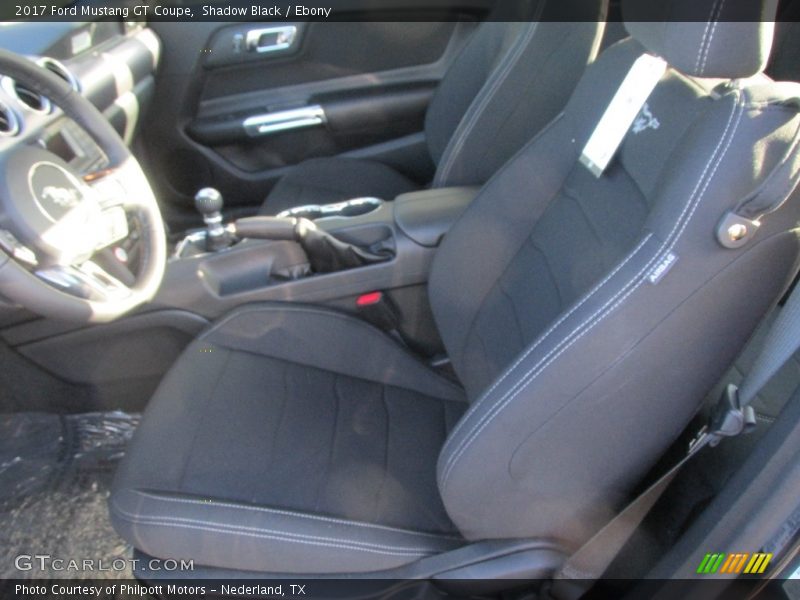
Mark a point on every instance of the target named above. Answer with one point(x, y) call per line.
point(726, 39)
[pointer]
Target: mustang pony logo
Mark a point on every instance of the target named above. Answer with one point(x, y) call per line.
point(645, 120)
point(63, 197)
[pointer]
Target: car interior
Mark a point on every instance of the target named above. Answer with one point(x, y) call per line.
point(372, 298)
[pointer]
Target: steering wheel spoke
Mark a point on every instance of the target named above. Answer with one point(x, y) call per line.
point(113, 227)
point(124, 186)
point(108, 189)
point(87, 280)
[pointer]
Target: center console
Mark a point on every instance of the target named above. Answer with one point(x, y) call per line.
point(121, 363)
point(403, 234)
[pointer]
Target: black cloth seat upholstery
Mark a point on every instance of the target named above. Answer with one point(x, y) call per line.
point(507, 83)
point(585, 316)
point(334, 425)
point(329, 180)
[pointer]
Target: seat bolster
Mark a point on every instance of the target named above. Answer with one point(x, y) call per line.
point(242, 536)
point(328, 340)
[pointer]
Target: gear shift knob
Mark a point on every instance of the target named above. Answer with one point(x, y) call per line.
point(208, 202)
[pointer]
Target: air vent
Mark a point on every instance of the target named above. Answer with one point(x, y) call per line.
point(61, 71)
point(33, 100)
point(9, 124)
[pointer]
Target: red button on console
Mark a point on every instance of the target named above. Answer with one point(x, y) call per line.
point(369, 299)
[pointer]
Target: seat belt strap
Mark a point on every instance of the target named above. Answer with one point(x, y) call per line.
point(732, 416)
point(780, 344)
point(777, 187)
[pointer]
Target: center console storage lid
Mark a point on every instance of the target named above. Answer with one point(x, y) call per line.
point(427, 215)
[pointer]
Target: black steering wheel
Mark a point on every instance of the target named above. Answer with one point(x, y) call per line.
point(54, 221)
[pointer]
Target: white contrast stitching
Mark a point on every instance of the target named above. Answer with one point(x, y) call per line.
point(531, 375)
point(283, 539)
point(460, 136)
point(265, 509)
point(269, 533)
point(543, 337)
point(704, 38)
point(523, 382)
point(538, 368)
point(711, 37)
point(547, 333)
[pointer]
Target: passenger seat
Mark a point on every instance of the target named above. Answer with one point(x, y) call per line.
point(510, 80)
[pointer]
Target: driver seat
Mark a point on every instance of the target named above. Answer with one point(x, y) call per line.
point(586, 318)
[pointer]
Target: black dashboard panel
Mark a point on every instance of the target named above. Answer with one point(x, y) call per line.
point(60, 40)
point(83, 38)
point(37, 38)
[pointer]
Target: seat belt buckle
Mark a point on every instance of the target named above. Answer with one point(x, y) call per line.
point(378, 309)
point(729, 418)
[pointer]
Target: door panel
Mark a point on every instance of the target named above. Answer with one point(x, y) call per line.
point(238, 119)
point(327, 50)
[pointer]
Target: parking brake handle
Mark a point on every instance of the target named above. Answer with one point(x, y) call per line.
point(326, 254)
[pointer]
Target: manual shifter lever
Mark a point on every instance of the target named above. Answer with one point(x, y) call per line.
point(208, 202)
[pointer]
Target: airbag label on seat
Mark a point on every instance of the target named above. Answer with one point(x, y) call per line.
point(621, 112)
point(662, 268)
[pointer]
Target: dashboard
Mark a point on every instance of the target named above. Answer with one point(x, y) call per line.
point(111, 63)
